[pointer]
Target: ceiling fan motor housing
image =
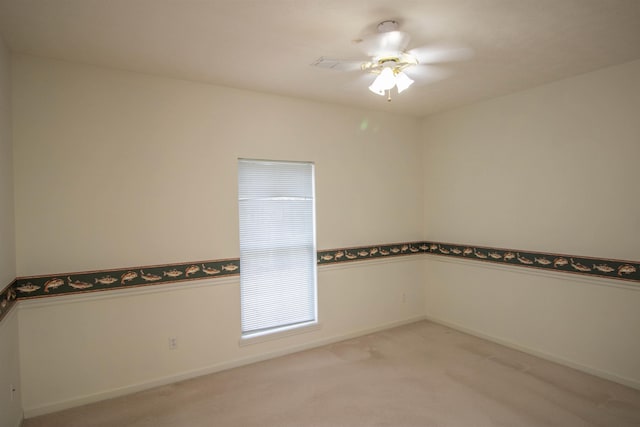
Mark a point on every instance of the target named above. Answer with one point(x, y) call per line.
point(386, 26)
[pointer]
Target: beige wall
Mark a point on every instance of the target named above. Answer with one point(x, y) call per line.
point(118, 169)
point(555, 169)
point(10, 410)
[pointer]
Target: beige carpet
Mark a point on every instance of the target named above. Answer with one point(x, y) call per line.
point(421, 374)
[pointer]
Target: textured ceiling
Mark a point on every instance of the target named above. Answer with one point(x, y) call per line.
point(268, 45)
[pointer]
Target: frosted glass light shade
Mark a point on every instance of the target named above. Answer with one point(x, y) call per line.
point(373, 88)
point(385, 81)
point(403, 81)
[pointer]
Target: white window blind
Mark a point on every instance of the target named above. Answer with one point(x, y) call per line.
point(277, 245)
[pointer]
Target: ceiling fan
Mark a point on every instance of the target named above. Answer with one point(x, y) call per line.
point(393, 64)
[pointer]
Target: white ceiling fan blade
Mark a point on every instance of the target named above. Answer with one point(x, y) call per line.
point(383, 44)
point(425, 74)
point(339, 64)
point(431, 54)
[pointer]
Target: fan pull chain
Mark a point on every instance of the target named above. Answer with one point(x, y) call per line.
point(389, 95)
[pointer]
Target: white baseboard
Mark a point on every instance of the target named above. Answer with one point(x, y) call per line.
point(133, 388)
point(550, 357)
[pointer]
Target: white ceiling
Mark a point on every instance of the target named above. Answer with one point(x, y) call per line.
point(268, 45)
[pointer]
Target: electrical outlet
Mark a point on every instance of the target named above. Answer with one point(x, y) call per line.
point(173, 343)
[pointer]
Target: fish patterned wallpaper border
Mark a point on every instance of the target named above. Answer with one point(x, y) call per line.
point(575, 264)
point(8, 298)
point(102, 280)
point(362, 253)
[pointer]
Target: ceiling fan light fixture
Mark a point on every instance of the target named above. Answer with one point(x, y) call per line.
point(387, 79)
point(373, 88)
point(384, 82)
point(403, 81)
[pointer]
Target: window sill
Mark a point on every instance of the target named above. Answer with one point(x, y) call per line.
point(279, 333)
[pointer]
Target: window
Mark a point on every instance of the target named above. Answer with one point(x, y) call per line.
point(277, 245)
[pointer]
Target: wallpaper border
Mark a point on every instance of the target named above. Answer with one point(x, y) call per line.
point(8, 298)
point(49, 285)
point(609, 268)
point(103, 280)
point(363, 253)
